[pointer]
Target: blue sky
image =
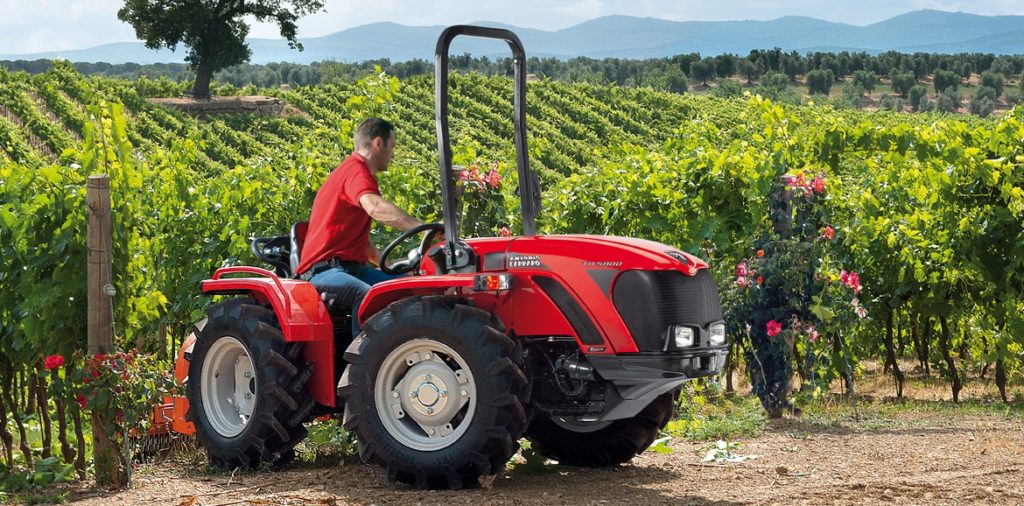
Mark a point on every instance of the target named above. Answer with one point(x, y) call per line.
point(48, 25)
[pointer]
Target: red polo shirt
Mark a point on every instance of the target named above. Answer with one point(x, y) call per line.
point(338, 226)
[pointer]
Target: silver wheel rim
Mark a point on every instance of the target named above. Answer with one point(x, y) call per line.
point(425, 395)
point(228, 386)
point(574, 425)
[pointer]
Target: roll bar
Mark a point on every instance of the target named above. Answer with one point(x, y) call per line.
point(455, 254)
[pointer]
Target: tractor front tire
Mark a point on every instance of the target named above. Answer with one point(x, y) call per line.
point(604, 445)
point(247, 390)
point(434, 392)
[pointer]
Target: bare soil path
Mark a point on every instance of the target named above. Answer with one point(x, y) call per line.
point(912, 457)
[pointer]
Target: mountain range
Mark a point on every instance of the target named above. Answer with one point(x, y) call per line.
point(622, 37)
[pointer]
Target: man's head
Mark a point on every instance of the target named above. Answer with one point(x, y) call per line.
point(375, 141)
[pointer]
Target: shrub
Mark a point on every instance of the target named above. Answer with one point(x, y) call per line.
point(982, 106)
point(987, 92)
point(1004, 65)
point(918, 94)
point(891, 103)
point(949, 101)
point(819, 82)
point(775, 80)
point(853, 97)
point(902, 83)
point(727, 88)
point(944, 80)
point(992, 80)
point(676, 80)
point(865, 79)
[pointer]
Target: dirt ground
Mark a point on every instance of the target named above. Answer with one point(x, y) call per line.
point(911, 458)
point(923, 451)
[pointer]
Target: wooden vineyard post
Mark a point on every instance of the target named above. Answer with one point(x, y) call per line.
point(101, 325)
point(111, 470)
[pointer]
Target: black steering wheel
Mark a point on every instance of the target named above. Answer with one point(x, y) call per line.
point(415, 256)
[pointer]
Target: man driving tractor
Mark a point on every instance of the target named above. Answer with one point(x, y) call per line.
point(338, 253)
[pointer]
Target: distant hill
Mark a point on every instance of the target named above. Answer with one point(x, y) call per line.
point(625, 37)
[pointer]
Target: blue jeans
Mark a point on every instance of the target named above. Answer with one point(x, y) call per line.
point(348, 286)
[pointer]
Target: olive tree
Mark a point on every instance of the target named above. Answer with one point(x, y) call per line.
point(214, 31)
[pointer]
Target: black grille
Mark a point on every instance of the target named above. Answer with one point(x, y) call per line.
point(650, 301)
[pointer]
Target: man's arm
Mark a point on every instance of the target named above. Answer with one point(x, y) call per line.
point(387, 213)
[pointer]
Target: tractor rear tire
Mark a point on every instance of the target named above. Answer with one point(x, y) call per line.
point(613, 444)
point(434, 392)
point(244, 396)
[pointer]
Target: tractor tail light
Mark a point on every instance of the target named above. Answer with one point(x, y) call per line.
point(492, 282)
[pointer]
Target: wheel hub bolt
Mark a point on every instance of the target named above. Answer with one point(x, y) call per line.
point(248, 374)
point(426, 356)
point(430, 411)
point(465, 393)
point(248, 395)
point(394, 393)
point(428, 377)
point(413, 394)
point(443, 393)
point(432, 431)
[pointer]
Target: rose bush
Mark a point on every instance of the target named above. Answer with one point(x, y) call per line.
point(793, 292)
point(119, 391)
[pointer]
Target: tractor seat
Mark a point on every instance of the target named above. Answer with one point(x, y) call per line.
point(298, 239)
point(338, 304)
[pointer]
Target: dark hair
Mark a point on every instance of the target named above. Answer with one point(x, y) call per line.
point(370, 129)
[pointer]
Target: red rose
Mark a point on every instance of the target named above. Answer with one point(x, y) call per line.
point(52, 362)
point(81, 400)
point(774, 328)
point(760, 280)
point(760, 253)
point(828, 233)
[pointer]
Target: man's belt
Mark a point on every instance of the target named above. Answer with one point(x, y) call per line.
point(330, 263)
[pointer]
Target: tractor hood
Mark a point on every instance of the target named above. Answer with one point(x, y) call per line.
point(563, 253)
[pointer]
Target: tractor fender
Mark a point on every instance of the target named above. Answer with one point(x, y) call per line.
point(301, 313)
point(383, 294)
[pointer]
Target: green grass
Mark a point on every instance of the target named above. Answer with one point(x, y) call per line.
point(703, 414)
point(727, 417)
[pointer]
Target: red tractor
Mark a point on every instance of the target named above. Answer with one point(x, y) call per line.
point(580, 343)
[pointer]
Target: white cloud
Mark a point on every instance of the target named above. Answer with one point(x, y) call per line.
point(583, 10)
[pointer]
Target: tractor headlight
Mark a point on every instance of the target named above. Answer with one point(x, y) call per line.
point(682, 336)
point(717, 334)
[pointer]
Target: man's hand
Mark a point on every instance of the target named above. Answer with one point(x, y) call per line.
point(387, 213)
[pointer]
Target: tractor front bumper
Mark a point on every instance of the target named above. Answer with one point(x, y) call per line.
point(641, 377)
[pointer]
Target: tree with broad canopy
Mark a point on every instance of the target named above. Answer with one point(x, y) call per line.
point(213, 30)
